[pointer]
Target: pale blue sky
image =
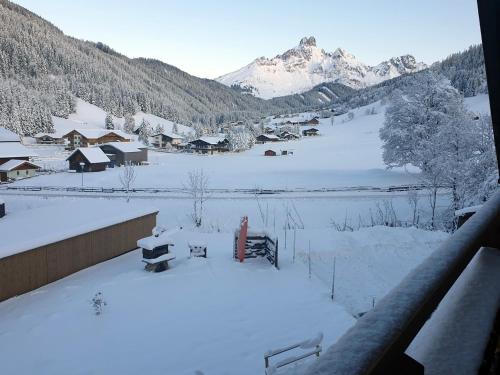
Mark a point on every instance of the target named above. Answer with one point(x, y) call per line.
point(210, 38)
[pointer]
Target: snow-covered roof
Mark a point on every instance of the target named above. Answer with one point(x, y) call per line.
point(52, 135)
point(92, 154)
point(212, 140)
point(8, 136)
point(67, 219)
point(270, 136)
point(13, 163)
point(14, 150)
point(151, 242)
point(98, 133)
point(169, 134)
point(126, 146)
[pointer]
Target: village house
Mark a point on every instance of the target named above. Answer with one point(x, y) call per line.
point(288, 136)
point(268, 130)
point(17, 169)
point(89, 137)
point(92, 158)
point(310, 132)
point(210, 144)
point(120, 153)
point(11, 147)
point(264, 138)
point(49, 138)
point(313, 121)
point(161, 140)
point(269, 153)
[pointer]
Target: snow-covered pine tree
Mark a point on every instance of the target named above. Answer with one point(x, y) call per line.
point(108, 122)
point(144, 131)
point(159, 129)
point(129, 124)
point(175, 128)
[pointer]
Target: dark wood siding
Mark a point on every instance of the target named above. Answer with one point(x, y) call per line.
point(29, 270)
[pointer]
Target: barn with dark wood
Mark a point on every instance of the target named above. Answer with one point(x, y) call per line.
point(2, 208)
point(210, 144)
point(65, 238)
point(120, 153)
point(93, 159)
point(269, 153)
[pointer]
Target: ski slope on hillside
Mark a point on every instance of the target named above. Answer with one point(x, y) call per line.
point(89, 116)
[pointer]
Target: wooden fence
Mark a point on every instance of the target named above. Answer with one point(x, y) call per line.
point(29, 270)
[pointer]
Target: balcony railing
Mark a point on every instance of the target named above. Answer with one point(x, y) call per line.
point(376, 344)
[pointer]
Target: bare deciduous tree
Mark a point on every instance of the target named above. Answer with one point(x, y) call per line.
point(197, 187)
point(127, 178)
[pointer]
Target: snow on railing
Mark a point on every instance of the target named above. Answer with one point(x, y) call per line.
point(314, 344)
point(377, 342)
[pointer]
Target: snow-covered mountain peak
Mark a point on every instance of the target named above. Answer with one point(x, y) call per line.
point(308, 42)
point(301, 68)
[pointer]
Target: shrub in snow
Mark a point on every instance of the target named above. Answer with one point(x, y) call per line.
point(197, 188)
point(98, 303)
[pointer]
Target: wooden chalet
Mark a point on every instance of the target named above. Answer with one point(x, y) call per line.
point(288, 136)
point(120, 153)
point(162, 140)
point(269, 153)
point(310, 132)
point(210, 145)
point(313, 121)
point(264, 138)
point(2, 208)
point(89, 137)
point(93, 159)
point(268, 130)
point(17, 169)
point(49, 138)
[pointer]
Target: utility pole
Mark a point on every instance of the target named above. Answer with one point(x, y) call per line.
point(309, 259)
point(333, 278)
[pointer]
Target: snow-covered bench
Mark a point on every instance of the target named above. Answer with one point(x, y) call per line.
point(314, 346)
point(197, 249)
point(158, 264)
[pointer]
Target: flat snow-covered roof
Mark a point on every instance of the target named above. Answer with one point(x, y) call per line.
point(126, 146)
point(169, 134)
point(14, 150)
point(67, 219)
point(13, 163)
point(8, 136)
point(92, 154)
point(212, 140)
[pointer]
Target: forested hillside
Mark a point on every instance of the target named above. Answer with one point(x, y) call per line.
point(42, 71)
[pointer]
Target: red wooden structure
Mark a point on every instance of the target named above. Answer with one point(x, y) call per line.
point(242, 238)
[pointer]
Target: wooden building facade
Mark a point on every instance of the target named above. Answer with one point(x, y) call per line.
point(29, 270)
point(89, 137)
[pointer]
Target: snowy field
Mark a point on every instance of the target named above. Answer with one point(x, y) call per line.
point(214, 315)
